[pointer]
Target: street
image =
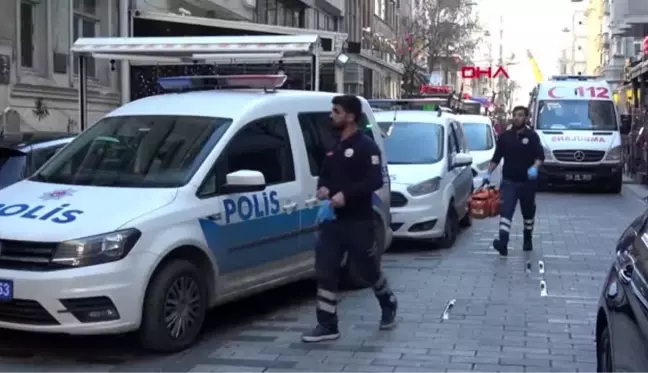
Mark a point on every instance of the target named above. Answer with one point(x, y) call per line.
point(501, 319)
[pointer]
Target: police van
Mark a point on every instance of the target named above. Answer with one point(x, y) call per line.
point(578, 125)
point(168, 206)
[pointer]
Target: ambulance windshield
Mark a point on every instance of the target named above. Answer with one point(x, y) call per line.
point(576, 115)
point(144, 151)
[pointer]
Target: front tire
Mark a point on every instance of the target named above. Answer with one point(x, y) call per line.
point(351, 277)
point(616, 184)
point(604, 352)
point(174, 308)
point(450, 229)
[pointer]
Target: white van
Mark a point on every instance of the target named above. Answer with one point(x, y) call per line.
point(578, 125)
point(166, 207)
point(481, 140)
point(431, 181)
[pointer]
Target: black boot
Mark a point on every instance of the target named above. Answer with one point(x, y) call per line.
point(389, 308)
point(500, 246)
point(528, 241)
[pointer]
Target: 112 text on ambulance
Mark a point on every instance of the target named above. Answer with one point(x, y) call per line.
point(476, 72)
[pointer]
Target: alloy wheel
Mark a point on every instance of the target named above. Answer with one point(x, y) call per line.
point(181, 306)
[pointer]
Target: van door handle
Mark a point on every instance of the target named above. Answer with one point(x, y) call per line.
point(311, 201)
point(290, 206)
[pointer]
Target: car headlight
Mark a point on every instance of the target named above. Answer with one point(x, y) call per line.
point(614, 154)
point(547, 153)
point(483, 166)
point(103, 248)
point(425, 187)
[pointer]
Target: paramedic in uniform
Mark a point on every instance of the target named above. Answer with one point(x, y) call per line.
point(350, 174)
point(522, 152)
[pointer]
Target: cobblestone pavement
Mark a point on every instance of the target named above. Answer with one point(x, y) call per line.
point(499, 322)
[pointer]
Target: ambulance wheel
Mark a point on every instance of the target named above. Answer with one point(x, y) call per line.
point(174, 308)
point(351, 276)
point(616, 184)
point(450, 229)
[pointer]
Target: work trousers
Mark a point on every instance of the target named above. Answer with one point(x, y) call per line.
point(511, 193)
point(356, 238)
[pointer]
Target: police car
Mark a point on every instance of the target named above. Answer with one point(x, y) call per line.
point(430, 171)
point(480, 141)
point(168, 206)
point(578, 125)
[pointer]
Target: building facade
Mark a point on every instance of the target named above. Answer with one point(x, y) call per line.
point(626, 22)
point(38, 86)
point(38, 91)
point(597, 37)
point(574, 51)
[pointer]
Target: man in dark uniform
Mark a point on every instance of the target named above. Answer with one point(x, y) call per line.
point(522, 151)
point(350, 174)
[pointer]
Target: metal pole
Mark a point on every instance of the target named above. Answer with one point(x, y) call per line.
point(125, 20)
point(83, 93)
point(316, 69)
point(500, 80)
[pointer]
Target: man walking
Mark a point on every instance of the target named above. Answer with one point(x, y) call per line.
point(350, 173)
point(522, 151)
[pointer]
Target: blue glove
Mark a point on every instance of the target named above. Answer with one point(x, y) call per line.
point(486, 179)
point(532, 173)
point(326, 212)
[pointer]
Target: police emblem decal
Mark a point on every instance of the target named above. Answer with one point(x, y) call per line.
point(348, 153)
point(525, 141)
point(57, 194)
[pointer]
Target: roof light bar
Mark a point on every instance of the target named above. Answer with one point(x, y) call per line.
point(135, 57)
point(203, 82)
point(237, 56)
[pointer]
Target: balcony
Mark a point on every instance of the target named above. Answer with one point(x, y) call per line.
point(603, 41)
point(631, 15)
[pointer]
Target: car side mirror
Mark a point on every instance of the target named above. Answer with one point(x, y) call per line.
point(243, 181)
point(461, 160)
point(626, 124)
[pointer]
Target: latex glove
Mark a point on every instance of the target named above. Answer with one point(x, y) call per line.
point(326, 212)
point(532, 173)
point(486, 179)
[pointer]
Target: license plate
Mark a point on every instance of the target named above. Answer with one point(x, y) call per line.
point(6, 290)
point(578, 177)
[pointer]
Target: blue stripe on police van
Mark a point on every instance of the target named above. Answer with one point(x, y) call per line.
point(252, 243)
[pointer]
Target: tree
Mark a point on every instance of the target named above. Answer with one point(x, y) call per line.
point(439, 29)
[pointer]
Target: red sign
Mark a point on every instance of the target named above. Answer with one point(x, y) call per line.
point(645, 46)
point(475, 72)
point(578, 138)
point(592, 92)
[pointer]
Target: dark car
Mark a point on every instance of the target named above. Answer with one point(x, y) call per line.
point(622, 319)
point(21, 154)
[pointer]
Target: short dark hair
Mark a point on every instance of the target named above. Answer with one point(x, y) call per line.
point(350, 104)
point(523, 108)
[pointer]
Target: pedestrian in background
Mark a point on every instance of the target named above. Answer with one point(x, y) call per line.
point(350, 174)
point(522, 152)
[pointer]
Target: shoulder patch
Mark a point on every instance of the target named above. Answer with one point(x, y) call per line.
point(375, 160)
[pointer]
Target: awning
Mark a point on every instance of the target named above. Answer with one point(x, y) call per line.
point(200, 48)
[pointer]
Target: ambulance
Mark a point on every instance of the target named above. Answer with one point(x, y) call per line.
point(579, 127)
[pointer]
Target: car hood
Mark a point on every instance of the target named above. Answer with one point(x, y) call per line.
point(410, 174)
point(34, 211)
point(574, 140)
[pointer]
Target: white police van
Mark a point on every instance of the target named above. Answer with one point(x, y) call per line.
point(166, 207)
point(579, 127)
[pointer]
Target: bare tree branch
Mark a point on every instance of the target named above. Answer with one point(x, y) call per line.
point(439, 29)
